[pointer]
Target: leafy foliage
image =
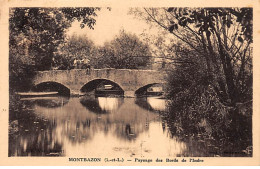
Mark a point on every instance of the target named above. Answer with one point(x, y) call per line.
point(125, 51)
point(210, 87)
point(35, 35)
point(222, 37)
point(196, 111)
point(75, 47)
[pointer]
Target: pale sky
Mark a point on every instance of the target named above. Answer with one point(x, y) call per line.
point(109, 23)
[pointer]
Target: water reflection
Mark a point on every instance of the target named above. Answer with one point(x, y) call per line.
point(101, 105)
point(101, 126)
point(109, 104)
point(50, 102)
point(32, 135)
point(154, 104)
point(91, 126)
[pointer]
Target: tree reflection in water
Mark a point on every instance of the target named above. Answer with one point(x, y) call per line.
point(207, 138)
point(32, 135)
point(74, 129)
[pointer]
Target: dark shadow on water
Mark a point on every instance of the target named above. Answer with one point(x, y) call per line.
point(101, 105)
point(31, 135)
point(80, 131)
point(49, 102)
point(151, 103)
point(142, 102)
point(127, 132)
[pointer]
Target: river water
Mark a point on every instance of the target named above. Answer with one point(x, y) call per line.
point(95, 127)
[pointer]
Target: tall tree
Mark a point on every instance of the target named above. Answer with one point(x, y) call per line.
point(35, 35)
point(210, 87)
point(222, 37)
point(125, 51)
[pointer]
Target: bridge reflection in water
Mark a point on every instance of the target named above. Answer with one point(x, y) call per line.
point(92, 127)
point(101, 104)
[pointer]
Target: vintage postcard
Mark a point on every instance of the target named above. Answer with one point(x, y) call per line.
point(133, 83)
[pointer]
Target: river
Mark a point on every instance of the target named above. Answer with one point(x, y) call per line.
point(95, 127)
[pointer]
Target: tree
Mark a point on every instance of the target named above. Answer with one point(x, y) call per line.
point(35, 35)
point(125, 51)
point(210, 87)
point(75, 47)
point(162, 49)
point(221, 36)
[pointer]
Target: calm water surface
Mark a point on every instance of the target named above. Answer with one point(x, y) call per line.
point(95, 127)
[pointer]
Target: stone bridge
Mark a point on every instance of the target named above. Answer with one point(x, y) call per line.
point(128, 80)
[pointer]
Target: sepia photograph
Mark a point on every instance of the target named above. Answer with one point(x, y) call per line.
point(130, 85)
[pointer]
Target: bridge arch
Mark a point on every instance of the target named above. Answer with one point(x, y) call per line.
point(99, 83)
point(143, 90)
point(47, 86)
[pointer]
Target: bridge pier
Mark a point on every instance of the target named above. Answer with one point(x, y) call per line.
point(76, 93)
point(129, 93)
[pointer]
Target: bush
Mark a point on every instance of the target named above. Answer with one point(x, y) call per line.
point(196, 110)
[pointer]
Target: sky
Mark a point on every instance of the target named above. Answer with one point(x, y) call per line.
point(109, 23)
